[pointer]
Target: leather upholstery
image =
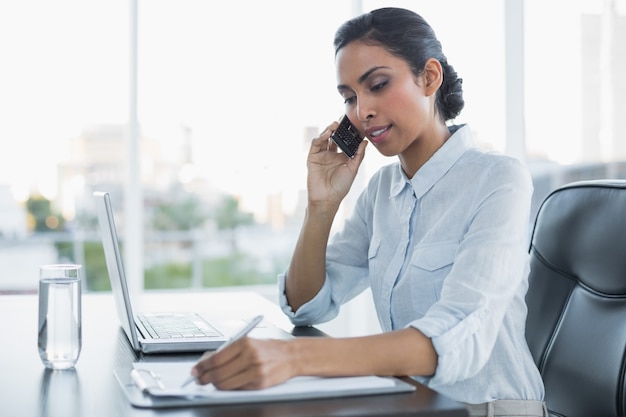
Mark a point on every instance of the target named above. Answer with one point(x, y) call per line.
point(576, 325)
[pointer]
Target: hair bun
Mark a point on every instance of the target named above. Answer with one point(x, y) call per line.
point(450, 94)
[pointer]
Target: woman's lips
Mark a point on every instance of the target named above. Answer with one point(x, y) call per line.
point(377, 134)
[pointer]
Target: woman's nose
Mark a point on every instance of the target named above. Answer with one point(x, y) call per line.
point(364, 111)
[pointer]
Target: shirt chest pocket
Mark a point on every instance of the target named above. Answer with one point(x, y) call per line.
point(430, 264)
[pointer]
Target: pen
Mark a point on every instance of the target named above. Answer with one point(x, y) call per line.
point(241, 333)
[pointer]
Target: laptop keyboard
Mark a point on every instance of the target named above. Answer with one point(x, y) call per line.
point(177, 325)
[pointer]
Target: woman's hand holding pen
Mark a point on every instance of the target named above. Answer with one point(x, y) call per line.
point(246, 364)
point(330, 173)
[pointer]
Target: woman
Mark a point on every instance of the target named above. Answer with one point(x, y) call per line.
point(440, 237)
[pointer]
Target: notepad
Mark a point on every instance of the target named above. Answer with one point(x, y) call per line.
point(158, 384)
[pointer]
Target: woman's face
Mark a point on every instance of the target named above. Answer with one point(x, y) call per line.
point(383, 98)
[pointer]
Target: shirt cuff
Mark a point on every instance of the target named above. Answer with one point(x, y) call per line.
point(456, 360)
point(316, 310)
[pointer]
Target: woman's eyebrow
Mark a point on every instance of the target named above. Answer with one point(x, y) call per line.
point(362, 78)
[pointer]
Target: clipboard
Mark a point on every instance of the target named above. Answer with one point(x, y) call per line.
point(157, 385)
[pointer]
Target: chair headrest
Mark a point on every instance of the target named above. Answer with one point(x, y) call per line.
point(580, 230)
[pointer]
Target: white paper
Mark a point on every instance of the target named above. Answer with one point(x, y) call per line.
point(173, 374)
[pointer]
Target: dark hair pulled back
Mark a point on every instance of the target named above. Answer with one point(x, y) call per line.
point(408, 36)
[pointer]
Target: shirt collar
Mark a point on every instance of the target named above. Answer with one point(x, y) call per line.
point(436, 167)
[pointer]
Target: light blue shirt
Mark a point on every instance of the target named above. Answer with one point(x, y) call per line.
point(445, 252)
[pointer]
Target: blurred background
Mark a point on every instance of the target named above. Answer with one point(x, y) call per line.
point(197, 117)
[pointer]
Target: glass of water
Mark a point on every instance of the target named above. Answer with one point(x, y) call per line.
point(60, 333)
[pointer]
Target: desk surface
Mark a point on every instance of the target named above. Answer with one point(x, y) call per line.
point(28, 389)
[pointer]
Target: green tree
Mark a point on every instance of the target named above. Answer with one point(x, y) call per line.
point(229, 217)
point(94, 273)
point(41, 217)
point(180, 214)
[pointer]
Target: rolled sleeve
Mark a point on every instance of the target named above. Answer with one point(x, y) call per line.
point(317, 310)
point(455, 361)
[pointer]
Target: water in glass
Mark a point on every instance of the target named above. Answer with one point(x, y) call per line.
point(59, 317)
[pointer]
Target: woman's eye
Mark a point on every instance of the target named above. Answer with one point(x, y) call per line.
point(378, 86)
point(349, 100)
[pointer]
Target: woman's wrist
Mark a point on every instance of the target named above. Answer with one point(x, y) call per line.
point(296, 361)
point(322, 212)
point(314, 356)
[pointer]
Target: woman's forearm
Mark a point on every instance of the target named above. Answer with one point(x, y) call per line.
point(307, 269)
point(405, 352)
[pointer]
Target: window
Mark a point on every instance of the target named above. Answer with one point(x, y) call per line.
point(229, 95)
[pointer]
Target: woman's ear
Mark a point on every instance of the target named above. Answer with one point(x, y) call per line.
point(433, 76)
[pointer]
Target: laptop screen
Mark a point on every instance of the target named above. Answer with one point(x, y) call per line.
point(115, 268)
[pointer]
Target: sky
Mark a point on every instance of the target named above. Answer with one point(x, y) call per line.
point(247, 77)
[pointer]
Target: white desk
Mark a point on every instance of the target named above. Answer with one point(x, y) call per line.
point(28, 390)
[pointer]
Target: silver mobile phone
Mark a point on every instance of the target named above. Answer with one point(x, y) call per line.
point(347, 137)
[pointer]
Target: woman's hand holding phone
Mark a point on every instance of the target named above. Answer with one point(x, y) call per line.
point(347, 137)
point(331, 173)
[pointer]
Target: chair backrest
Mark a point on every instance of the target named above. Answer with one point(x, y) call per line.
point(576, 326)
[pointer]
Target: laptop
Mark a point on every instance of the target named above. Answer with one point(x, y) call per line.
point(151, 332)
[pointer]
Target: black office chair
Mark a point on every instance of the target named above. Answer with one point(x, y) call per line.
point(576, 326)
